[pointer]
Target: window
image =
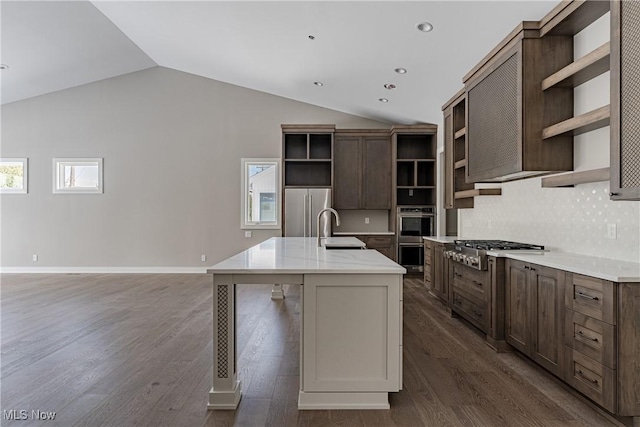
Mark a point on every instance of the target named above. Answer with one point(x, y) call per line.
point(77, 176)
point(13, 176)
point(261, 193)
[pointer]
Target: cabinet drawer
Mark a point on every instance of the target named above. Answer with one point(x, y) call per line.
point(383, 241)
point(468, 309)
point(592, 297)
point(590, 337)
point(591, 378)
point(474, 282)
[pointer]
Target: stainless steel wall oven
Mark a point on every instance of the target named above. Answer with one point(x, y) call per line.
point(414, 222)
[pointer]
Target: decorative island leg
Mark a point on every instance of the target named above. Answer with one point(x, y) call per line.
point(225, 393)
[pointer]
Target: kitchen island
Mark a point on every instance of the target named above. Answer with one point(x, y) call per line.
point(351, 321)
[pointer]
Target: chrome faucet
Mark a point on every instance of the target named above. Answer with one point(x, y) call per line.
point(320, 216)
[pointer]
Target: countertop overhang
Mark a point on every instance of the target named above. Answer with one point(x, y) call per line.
point(300, 255)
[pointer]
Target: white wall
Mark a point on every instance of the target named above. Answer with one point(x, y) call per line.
point(171, 143)
point(565, 219)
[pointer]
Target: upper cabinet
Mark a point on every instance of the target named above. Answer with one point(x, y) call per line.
point(362, 169)
point(308, 151)
point(414, 149)
point(458, 193)
point(625, 102)
point(507, 110)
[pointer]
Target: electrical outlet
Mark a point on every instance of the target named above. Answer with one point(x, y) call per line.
point(410, 193)
point(247, 234)
point(203, 258)
point(366, 220)
point(35, 257)
point(612, 231)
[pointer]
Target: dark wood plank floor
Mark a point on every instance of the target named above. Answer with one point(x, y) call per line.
point(124, 350)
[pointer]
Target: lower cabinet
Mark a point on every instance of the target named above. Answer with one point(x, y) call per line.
point(582, 329)
point(478, 297)
point(383, 244)
point(436, 277)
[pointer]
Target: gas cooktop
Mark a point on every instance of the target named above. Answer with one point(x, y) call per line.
point(502, 245)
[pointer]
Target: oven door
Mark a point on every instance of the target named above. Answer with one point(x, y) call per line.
point(411, 228)
point(411, 257)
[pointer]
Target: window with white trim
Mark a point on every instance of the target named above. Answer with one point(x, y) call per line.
point(14, 175)
point(261, 193)
point(77, 176)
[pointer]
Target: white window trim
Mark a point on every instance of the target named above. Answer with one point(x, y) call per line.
point(56, 175)
point(25, 176)
point(244, 223)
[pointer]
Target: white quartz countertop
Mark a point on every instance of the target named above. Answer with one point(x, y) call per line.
point(342, 242)
point(602, 268)
point(300, 255)
point(441, 239)
point(363, 233)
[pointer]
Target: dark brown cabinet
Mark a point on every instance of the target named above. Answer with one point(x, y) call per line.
point(384, 244)
point(307, 155)
point(440, 284)
point(506, 109)
point(414, 165)
point(436, 277)
point(535, 313)
point(362, 165)
point(625, 104)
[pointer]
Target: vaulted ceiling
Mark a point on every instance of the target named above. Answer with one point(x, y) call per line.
point(265, 45)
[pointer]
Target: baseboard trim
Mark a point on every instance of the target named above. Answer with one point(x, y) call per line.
point(106, 270)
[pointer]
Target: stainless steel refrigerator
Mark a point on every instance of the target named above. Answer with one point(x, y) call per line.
point(301, 208)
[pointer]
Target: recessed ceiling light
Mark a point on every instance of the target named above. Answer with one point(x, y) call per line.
point(390, 86)
point(3, 67)
point(312, 37)
point(318, 83)
point(383, 100)
point(401, 70)
point(424, 26)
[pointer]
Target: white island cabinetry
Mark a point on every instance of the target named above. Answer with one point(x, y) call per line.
point(351, 334)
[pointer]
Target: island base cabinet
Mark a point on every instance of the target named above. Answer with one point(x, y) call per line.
point(351, 341)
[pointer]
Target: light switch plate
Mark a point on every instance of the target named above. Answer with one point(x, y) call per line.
point(366, 220)
point(612, 231)
point(247, 234)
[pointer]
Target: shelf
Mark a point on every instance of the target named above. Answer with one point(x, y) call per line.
point(574, 178)
point(478, 192)
point(584, 69)
point(592, 120)
point(460, 164)
point(461, 132)
point(307, 160)
point(569, 18)
point(416, 187)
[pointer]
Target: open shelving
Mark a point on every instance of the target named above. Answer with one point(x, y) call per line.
point(415, 164)
point(308, 155)
point(567, 20)
point(571, 179)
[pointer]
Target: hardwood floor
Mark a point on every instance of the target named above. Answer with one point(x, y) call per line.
point(123, 350)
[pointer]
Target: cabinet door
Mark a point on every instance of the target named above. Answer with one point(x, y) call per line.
point(376, 183)
point(439, 284)
point(347, 173)
point(517, 305)
point(547, 287)
point(448, 160)
point(625, 109)
point(494, 122)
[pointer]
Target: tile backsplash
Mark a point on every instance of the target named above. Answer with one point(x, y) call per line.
point(563, 219)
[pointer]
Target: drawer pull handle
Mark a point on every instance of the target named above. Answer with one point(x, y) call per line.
point(587, 378)
point(583, 295)
point(457, 274)
point(476, 283)
point(582, 334)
